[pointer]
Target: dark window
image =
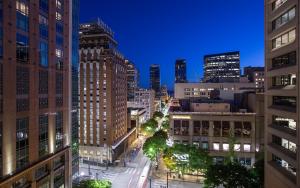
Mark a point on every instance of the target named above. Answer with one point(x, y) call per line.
point(225, 128)
point(43, 102)
point(22, 48)
point(22, 104)
point(197, 128)
point(205, 128)
point(247, 129)
point(43, 82)
point(59, 101)
point(285, 101)
point(59, 178)
point(185, 127)
point(59, 40)
point(22, 143)
point(177, 127)
point(59, 83)
point(59, 28)
point(22, 22)
point(284, 60)
point(43, 135)
point(44, 6)
point(237, 129)
point(22, 80)
point(43, 26)
point(217, 128)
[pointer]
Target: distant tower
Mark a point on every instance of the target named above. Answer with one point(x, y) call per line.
point(132, 80)
point(155, 79)
point(180, 71)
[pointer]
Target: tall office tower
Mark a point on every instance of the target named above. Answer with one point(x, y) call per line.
point(180, 71)
point(75, 64)
point(282, 162)
point(103, 94)
point(132, 80)
point(249, 72)
point(35, 89)
point(155, 79)
point(224, 67)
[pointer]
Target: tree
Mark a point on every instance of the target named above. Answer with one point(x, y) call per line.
point(165, 125)
point(154, 145)
point(158, 114)
point(94, 184)
point(231, 175)
point(149, 127)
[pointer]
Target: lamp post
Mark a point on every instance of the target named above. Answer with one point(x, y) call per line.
point(167, 179)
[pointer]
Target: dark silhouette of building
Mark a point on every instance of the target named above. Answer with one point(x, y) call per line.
point(155, 79)
point(180, 71)
point(132, 80)
point(249, 72)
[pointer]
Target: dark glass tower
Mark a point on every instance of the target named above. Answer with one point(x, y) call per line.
point(180, 71)
point(155, 79)
point(224, 67)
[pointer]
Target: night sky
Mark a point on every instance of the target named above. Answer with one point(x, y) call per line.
point(159, 31)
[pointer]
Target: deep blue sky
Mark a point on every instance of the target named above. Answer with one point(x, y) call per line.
point(159, 31)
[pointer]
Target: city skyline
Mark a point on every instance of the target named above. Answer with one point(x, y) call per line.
point(138, 28)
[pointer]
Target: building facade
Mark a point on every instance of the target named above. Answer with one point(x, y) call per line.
point(223, 67)
point(102, 94)
point(145, 98)
point(282, 162)
point(211, 131)
point(259, 79)
point(36, 64)
point(155, 79)
point(205, 90)
point(249, 72)
point(180, 71)
point(132, 80)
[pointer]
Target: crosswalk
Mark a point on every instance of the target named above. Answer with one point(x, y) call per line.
point(111, 176)
point(129, 171)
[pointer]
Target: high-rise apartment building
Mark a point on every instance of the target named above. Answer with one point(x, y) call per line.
point(155, 79)
point(282, 162)
point(180, 71)
point(223, 67)
point(36, 63)
point(144, 98)
point(132, 80)
point(102, 94)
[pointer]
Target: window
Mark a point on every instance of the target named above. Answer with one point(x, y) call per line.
point(59, 28)
point(177, 125)
point(59, 131)
point(22, 8)
point(43, 82)
point(284, 122)
point(197, 128)
point(22, 48)
point(276, 4)
point(43, 26)
point(247, 147)
point(226, 147)
point(283, 164)
point(22, 104)
point(283, 19)
point(43, 102)
point(43, 135)
point(58, 53)
point(185, 127)
point(284, 143)
point(205, 145)
point(43, 54)
point(59, 40)
point(284, 60)
point(284, 80)
point(22, 84)
point(22, 16)
point(247, 129)
point(237, 147)
point(58, 4)
point(217, 128)
point(284, 39)
point(238, 129)
point(225, 128)
point(44, 6)
point(216, 146)
point(205, 128)
point(58, 16)
point(22, 143)
point(285, 101)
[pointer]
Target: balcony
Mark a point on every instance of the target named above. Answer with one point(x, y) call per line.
point(284, 129)
point(283, 171)
point(283, 150)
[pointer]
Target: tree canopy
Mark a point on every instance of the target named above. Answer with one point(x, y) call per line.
point(149, 127)
point(94, 184)
point(154, 145)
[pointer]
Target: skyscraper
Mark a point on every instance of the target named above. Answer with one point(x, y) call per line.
point(180, 71)
point(282, 94)
point(155, 79)
point(132, 80)
point(103, 94)
point(35, 88)
point(223, 67)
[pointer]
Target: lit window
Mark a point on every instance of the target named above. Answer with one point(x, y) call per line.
point(247, 147)
point(58, 53)
point(216, 146)
point(22, 8)
point(237, 147)
point(225, 147)
point(58, 16)
point(58, 4)
point(284, 39)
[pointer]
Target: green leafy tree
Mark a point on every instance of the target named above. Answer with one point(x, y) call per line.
point(149, 127)
point(158, 114)
point(94, 184)
point(165, 125)
point(154, 145)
